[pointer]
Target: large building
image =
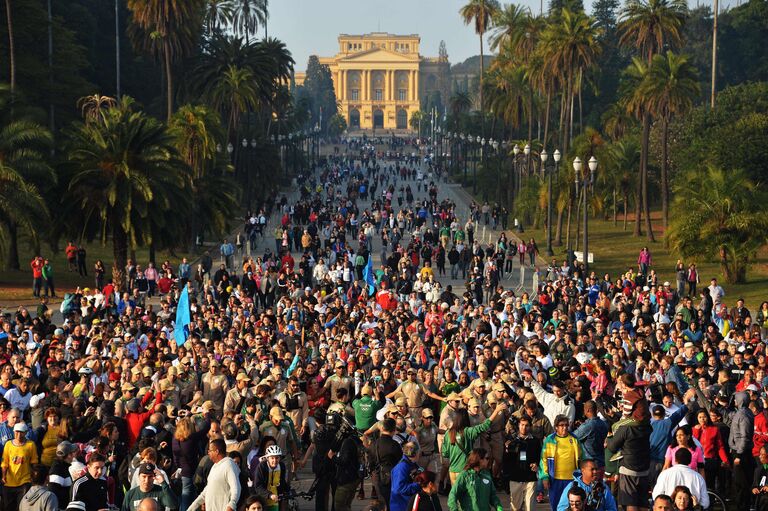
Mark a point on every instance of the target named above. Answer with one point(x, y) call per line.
point(380, 79)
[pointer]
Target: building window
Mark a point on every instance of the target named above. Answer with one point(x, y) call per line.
point(355, 94)
point(401, 95)
point(378, 95)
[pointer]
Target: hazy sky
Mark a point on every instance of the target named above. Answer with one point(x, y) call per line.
point(311, 26)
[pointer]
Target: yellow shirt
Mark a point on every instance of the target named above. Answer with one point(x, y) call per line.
point(565, 463)
point(17, 462)
point(50, 442)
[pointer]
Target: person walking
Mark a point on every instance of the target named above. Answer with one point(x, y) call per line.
point(152, 485)
point(18, 456)
point(81, 255)
point(39, 497)
point(403, 486)
point(385, 453)
point(560, 456)
point(474, 489)
point(522, 453)
point(427, 498)
point(460, 438)
point(48, 284)
point(91, 488)
point(222, 490)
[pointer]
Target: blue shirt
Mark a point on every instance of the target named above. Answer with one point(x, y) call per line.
point(402, 486)
point(591, 435)
point(661, 433)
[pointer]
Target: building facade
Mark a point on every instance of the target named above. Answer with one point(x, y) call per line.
point(380, 79)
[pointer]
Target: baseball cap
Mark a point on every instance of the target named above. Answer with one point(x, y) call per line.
point(242, 377)
point(65, 449)
point(427, 412)
point(365, 391)
point(76, 505)
point(20, 427)
point(401, 401)
point(147, 468)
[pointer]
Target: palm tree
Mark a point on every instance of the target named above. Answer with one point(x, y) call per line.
point(570, 46)
point(509, 26)
point(650, 26)
point(169, 28)
point(720, 214)
point(218, 13)
point(619, 163)
point(126, 180)
point(235, 93)
point(670, 87)
point(248, 15)
point(481, 13)
point(459, 104)
point(636, 103)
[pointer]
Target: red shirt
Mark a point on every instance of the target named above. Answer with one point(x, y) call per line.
point(164, 285)
point(37, 268)
point(760, 436)
point(711, 441)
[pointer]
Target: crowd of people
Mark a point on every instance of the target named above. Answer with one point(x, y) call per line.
point(588, 393)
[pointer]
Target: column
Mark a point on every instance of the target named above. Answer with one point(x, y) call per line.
point(416, 85)
point(411, 83)
point(340, 84)
point(391, 85)
point(364, 85)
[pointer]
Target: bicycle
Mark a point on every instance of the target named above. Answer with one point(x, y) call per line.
point(291, 498)
point(716, 502)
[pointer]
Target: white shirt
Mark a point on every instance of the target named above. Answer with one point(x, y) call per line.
point(682, 475)
point(222, 489)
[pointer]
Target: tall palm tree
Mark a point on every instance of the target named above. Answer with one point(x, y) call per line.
point(570, 46)
point(650, 26)
point(218, 13)
point(235, 93)
point(670, 88)
point(481, 13)
point(126, 180)
point(170, 29)
point(636, 103)
point(459, 104)
point(509, 26)
point(248, 15)
point(619, 163)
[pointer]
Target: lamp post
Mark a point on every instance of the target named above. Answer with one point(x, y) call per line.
point(495, 146)
point(527, 153)
point(585, 181)
point(516, 175)
point(463, 150)
point(478, 152)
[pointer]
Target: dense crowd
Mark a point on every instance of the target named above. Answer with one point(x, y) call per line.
point(587, 393)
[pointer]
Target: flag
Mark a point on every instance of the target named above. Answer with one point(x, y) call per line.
point(181, 327)
point(368, 276)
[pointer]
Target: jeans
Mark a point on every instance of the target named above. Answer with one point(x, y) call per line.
point(345, 493)
point(188, 493)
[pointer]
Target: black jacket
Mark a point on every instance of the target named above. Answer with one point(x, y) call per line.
point(633, 441)
point(348, 462)
point(513, 467)
point(92, 492)
point(386, 453)
point(261, 479)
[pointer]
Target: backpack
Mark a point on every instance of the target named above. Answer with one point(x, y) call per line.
point(68, 305)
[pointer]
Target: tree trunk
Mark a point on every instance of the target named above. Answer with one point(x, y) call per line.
point(11, 45)
point(559, 230)
point(644, 175)
point(482, 106)
point(626, 201)
point(152, 251)
point(615, 217)
point(12, 258)
point(168, 78)
point(546, 119)
point(568, 226)
point(664, 178)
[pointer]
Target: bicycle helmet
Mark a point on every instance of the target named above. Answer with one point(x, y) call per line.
point(273, 450)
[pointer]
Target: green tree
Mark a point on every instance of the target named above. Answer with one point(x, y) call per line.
point(122, 171)
point(720, 215)
point(337, 125)
point(248, 15)
point(318, 85)
point(670, 88)
point(480, 13)
point(218, 13)
point(170, 28)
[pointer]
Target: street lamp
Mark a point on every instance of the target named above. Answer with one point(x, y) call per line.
point(527, 153)
point(463, 151)
point(516, 175)
point(585, 181)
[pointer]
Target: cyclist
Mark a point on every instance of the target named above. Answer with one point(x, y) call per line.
point(270, 477)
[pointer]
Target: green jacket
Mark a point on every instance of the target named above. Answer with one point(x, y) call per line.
point(365, 412)
point(474, 491)
point(457, 453)
point(162, 494)
point(47, 271)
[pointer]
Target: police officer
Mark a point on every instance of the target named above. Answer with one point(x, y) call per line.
point(337, 381)
point(426, 433)
point(415, 393)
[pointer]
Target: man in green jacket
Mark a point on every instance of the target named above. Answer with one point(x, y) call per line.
point(366, 408)
point(151, 485)
point(458, 441)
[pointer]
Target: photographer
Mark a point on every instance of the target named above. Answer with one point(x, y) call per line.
point(403, 476)
point(599, 496)
point(347, 460)
point(323, 441)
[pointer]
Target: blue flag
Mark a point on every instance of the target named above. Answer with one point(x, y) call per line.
point(368, 275)
point(181, 327)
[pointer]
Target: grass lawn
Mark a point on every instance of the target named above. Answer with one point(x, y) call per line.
point(615, 250)
point(16, 286)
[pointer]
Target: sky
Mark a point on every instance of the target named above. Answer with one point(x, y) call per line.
point(310, 27)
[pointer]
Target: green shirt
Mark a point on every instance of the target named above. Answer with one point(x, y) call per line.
point(365, 412)
point(458, 452)
point(474, 491)
point(162, 494)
